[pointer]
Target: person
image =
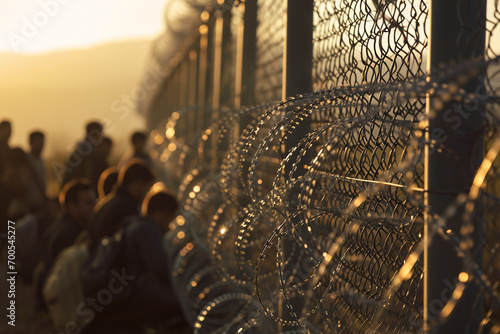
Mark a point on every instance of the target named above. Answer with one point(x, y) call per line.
point(77, 200)
point(138, 141)
point(37, 186)
point(107, 182)
point(36, 143)
point(5, 133)
point(134, 181)
point(146, 258)
point(5, 194)
point(26, 194)
point(29, 232)
point(15, 181)
point(79, 163)
point(150, 296)
point(100, 160)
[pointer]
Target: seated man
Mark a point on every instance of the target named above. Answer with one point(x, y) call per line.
point(134, 181)
point(146, 258)
point(150, 296)
point(77, 199)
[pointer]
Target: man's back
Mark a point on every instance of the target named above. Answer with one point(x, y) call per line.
point(145, 258)
point(145, 251)
point(60, 234)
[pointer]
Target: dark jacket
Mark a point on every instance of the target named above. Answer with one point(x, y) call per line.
point(60, 234)
point(146, 258)
point(147, 294)
point(144, 251)
point(110, 215)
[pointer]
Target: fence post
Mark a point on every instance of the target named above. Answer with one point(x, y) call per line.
point(245, 94)
point(457, 32)
point(297, 79)
point(217, 63)
point(249, 53)
point(297, 50)
point(202, 73)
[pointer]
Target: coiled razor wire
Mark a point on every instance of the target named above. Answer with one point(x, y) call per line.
point(336, 248)
point(320, 230)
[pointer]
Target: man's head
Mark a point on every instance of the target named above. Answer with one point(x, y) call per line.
point(94, 132)
point(138, 140)
point(36, 141)
point(5, 131)
point(77, 198)
point(136, 178)
point(161, 207)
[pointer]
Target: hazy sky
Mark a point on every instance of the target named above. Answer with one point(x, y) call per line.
point(33, 26)
point(105, 44)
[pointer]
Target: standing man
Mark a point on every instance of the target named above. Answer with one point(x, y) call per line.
point(138, 141)
point(5, 132)
point(80, 162)
point(36, 193)
point(5, 195)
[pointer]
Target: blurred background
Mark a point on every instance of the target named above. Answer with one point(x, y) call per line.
point(63, 63)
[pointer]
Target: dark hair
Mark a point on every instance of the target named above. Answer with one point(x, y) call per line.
point(92, 126)
point(71, 191)
point(137, 136)
point(107, 181)
point(135, 170)
point(36, 134)
point(5, 123)
point(160, 201)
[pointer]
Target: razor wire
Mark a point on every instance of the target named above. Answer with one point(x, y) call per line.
point(324, 234)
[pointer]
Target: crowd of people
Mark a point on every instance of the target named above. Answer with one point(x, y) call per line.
point(96, 202)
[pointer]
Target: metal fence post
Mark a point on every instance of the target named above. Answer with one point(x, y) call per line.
point(202, 74)
point(297, 79)
point(248, 58)
point(457, 33)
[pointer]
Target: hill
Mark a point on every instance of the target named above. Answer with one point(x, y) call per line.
point(58, 92)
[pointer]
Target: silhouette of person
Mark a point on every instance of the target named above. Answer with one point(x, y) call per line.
point(77, 199)
point(5, 195)
point(138, 141)
point(35, 195)
point(150, 295)
point(5, 133)
point(146, 258)
point(79, 163)
point(16, 177)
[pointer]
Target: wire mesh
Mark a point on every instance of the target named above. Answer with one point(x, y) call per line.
point(269, 63)
point(326, 235)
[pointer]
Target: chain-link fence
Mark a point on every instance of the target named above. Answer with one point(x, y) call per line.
point(367, 204)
